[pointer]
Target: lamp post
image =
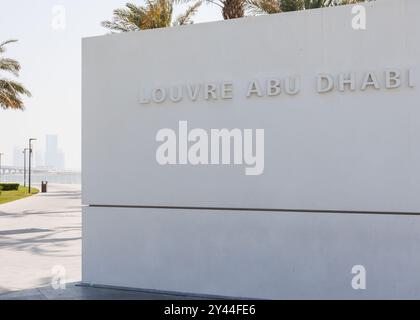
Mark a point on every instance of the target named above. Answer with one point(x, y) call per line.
point(24, 166)
point(29, 167)
point(1, 173)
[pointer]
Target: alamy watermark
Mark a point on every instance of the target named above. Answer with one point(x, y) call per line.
point(59, 17)
point(358, 282)
point(359, 17)
point(58, 277)
point(212, 147)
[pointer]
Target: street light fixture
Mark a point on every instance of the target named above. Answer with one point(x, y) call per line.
point(24, 166)
point(30, 158)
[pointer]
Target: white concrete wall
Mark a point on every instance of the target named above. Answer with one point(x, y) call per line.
point(342, 151)
point(275, 255)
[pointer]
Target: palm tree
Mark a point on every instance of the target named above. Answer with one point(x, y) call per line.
point(10, 90)
point(156, 14)
point(277, 6)
point(232, 9)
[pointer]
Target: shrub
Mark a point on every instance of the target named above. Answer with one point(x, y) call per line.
point(9, 186)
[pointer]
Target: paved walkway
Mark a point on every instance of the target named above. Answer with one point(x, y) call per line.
point(76, 292)
point(42, 233)
point(37, 234)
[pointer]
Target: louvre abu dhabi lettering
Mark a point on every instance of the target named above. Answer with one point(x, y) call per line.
point(389, 78)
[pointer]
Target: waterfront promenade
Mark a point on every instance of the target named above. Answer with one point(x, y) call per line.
point(37, 234)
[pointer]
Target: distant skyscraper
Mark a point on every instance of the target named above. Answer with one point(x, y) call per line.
point(54, 157)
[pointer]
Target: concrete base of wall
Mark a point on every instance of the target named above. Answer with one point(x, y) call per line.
point(274, 255)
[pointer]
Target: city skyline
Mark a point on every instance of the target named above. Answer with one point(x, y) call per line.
point(50, 59)
point(47, 153)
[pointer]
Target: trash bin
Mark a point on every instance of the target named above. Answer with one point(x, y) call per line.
point(44, 186)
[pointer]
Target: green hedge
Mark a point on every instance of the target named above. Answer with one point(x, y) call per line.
point(9, 186)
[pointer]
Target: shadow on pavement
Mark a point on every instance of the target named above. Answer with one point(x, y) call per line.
point(22, 231)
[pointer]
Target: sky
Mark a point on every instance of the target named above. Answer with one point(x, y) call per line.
point(49, 50)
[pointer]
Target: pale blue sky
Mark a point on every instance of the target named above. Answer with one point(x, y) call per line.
point(51, 68)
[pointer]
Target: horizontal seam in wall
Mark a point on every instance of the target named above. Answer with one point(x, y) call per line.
point(259, 209)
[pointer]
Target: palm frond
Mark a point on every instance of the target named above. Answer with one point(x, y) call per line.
point(185, 18)
point(9, 101)
point(13, 87)
point(257, 7)
point(10, 65)
point(10, 90)
point(10, 94)
point(155, 14)
point(126, 19)
point(3, 45)
point(158, 14)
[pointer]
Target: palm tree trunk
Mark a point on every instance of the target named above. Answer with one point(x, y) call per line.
point(233, 9)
